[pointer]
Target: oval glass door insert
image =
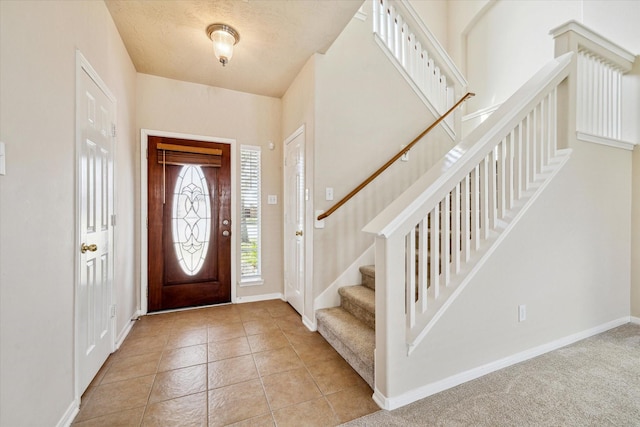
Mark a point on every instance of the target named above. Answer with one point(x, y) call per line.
point(191, 219)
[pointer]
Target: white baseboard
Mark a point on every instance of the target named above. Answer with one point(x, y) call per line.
point(635, 320)
point(256, 298)
point(69, 414)
point(310, 323)
point(390, 403)
point(125, 331)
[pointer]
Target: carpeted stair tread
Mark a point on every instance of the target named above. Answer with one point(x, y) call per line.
point(368, 276)
point(360, 301)
point(353, 339)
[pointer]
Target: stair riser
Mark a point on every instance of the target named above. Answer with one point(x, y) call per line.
point(369, 281)
point(363, 369)
point(361, 313)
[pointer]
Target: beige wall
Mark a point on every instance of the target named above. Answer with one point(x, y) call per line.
point(38, 42)
point(434, 14)
point(561, 260)
point(365, 112)
point(461, 16)
point(189, 108)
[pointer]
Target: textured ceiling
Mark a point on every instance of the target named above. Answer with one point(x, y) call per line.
point(168, 38)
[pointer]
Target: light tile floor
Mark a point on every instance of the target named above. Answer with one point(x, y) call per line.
point(251, 364)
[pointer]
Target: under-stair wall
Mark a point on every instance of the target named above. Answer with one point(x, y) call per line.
point(364, 112)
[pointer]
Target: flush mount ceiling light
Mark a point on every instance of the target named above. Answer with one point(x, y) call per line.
point(223, 37)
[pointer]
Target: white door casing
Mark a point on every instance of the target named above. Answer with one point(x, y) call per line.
point(95, 129)
point(294, 221)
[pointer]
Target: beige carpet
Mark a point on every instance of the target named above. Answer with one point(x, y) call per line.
point(595, 382)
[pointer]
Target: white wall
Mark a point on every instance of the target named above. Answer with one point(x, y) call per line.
point(365, 112)
point(189, 108)
point(38, 42)
point(508, 43)
point(500, 44)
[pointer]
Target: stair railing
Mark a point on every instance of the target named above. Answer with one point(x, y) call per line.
point(391, 161)
point(432, 239)
point(419, 56)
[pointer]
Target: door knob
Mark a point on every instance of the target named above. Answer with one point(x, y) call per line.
point(91, 248)
point(299, 233)
point(225, 233)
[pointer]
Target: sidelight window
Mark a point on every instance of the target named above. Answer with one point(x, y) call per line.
point(250, 227)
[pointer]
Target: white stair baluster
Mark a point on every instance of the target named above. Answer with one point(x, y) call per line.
point(410, 273)
point(434, 247)
point(423, 256)
point(456, 233)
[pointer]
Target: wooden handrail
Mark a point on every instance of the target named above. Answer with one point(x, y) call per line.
point(373, 176)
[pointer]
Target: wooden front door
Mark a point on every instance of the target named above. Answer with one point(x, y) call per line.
point(189, 230)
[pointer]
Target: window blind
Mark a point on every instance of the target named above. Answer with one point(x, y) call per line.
point(250, 227)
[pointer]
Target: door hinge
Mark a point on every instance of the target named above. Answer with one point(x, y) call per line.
point(113, 220)
point(113, 310)
point(147, 222)
point(147, 152)
point(113, 130)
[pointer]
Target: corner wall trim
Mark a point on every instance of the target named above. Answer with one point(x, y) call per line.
point(410, 396)
point(125, 331)
point(615, 143)
point(481, 112)
point(310, 323)
point(69, 414)
point(635, 320)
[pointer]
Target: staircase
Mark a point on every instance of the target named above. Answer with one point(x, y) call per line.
point(350, 328)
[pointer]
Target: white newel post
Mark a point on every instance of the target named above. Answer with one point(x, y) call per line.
point(390, 314)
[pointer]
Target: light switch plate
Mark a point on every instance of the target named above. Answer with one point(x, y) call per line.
point(329, 193)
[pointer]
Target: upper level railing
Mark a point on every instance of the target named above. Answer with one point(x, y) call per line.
point(600, 68)
point(391, 161)
point(419, 56)
point(431, 239)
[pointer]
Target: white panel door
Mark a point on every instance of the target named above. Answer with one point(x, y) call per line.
point(95, 113)
point(294, 192)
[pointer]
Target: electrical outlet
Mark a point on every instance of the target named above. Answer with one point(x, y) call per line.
point(272, 199)
point(522, 313)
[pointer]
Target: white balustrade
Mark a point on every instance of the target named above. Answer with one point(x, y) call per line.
point(598, 96)
point(447, 221)
point(601, 66)
point(418, 53)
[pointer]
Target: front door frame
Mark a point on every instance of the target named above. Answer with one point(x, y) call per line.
point(144, 250)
